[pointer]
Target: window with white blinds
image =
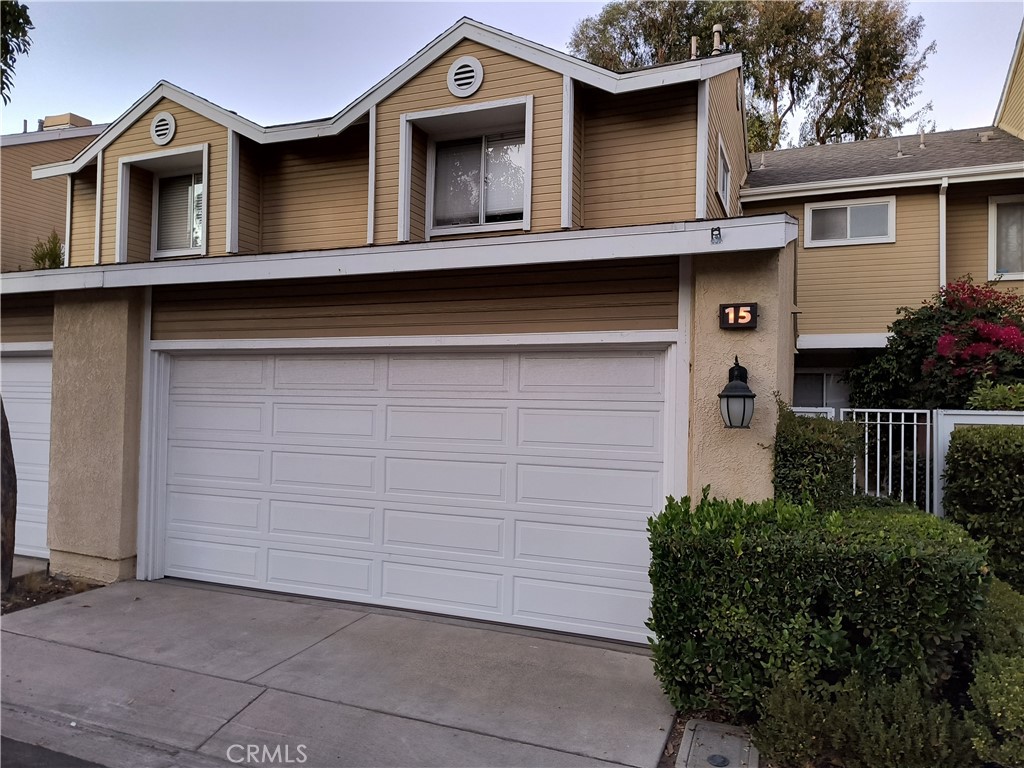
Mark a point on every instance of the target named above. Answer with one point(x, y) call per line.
point(180, 213)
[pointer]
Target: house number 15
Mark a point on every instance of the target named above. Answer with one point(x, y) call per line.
point(733, 317)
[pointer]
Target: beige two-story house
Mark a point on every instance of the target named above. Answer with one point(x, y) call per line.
point(446, 350)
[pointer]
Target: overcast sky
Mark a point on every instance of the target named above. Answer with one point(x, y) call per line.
point(278, 62)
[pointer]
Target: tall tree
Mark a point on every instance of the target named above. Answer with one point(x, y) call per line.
point(16, 24)
point(853, 67)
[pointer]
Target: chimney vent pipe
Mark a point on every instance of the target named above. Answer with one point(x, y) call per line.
point(717, 50)
point(693, 47)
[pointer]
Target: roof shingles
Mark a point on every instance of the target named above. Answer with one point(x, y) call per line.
point(879, 157)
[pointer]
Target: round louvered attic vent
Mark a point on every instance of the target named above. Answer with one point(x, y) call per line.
point(161, 130)
point(465, 76)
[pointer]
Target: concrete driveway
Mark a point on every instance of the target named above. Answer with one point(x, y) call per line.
point(154, 674)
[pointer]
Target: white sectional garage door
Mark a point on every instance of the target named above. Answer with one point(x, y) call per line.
point(511, 486)
point(26, 392)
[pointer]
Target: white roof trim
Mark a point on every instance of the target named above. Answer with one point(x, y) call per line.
point(753, 233)
point(916, 179)
point(465, 29)
point(31, 137)
point(1009, 75)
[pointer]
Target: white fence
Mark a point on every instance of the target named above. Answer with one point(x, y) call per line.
point(904, 452)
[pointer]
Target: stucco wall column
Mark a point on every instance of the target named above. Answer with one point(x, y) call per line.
point(737, 463)
point(94, 446)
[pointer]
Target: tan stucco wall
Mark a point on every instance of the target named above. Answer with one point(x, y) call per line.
point(737, 463)
point(94, 446)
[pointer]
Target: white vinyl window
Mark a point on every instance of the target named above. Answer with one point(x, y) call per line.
point(479, 181)
point(850, 222)
point(820, 388)
point(179, 224)
point(1006, 237)
point(724, 176)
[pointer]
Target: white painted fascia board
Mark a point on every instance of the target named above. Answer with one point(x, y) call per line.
point(568, 158)
point(231, 234)
point(841, 340)
point(67, 225)
point(753, 233)
point(918, 179)
point(371, 179)
point(703, 127)
point(33, 137)
point(1009, 76)
point(161, 90)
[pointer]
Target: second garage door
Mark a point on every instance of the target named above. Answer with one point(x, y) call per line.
point(511, 486)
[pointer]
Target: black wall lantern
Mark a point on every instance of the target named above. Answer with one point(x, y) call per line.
point(736, 400)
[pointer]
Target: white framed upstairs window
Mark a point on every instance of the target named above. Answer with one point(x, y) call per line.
point(850, 222)
point(724, 177)
point(479, 181)
point(1006, 237)
point(478, 168)
point(179, 223)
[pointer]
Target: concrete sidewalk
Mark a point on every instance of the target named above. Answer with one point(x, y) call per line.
point(160, 674)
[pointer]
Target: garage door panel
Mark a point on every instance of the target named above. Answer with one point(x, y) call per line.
point(334, 422)
point(319, 521)
point(441, 485)
point(322, 470)
point(212, 559)
point(574, 486)
point(431, 587)
point(591, 430)
point(430, 478)
point(450, 425)
point(213, 511)
point(610, 610)
point(335, 573)
point(432, 532)
point(625, 373)
point(217, 420)
point(360, 373)
point(210, 373)
point(587, 546)
point(449, 373)
point(215, 464)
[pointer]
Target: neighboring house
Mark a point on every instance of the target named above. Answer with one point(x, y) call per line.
point(29, 212)
point(446, 350)
point(891, 221)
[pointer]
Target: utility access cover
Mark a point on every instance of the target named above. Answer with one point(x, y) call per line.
point(713, 745)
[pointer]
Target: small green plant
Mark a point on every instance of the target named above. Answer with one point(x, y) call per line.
point(997, 722)
point(48, 253)
point(988, 396)
point(862, 724)
point(813, 459)
point(984, 492)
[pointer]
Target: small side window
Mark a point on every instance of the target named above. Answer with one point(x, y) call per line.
point(850, 222)
point(1006, 237)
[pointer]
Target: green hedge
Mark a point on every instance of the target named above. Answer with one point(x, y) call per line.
point(997, 721)
point(985, 493)
point(814, 458)
point(1000, 624)
point(988, 396)
point(743, 593)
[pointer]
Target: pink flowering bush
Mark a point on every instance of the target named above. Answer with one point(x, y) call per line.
point(938, 353)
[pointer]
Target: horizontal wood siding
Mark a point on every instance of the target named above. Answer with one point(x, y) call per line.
point(967, 229)
point(83, 218)
point(26, 318)
point(249, 194)
point(1012, 118)
point(314, 193)
point(192, 129)
point(140, 215)
point(577, 166)
point(418, 193)
point(31, 210)
point(726, 121)
point(857, 288)
point(639, 156)
point(603, 296)
point(504, 77)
